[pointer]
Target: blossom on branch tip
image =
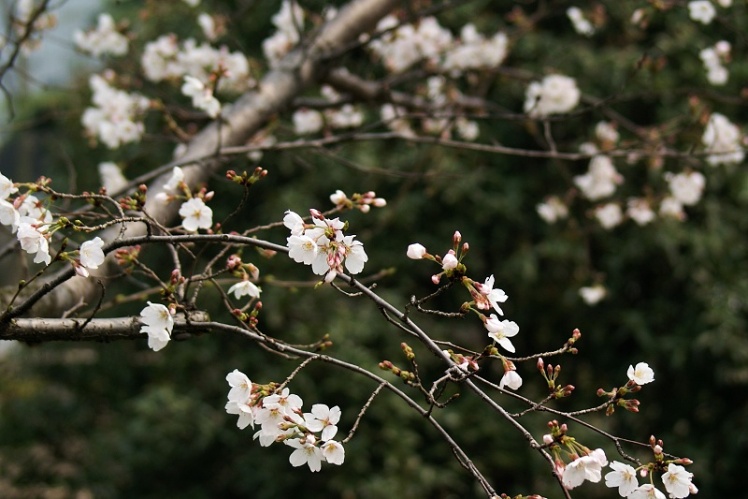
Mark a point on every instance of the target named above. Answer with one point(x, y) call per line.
point(449, 261)
point(511, 380)
point(241, 386)
point(306, 452)
point(556, 94)
point(333, 452)
point(641, 374)
point(33, 239)
point(324, 419)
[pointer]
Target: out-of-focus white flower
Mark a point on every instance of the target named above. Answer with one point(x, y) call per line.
point(552, 209)
point(606, 133)
point(208, 25)
point(686, 187)
point(609, 215)
point(306, 121)
point(672, 208)
point(600, 180)
point(105, 39)
point(639, 210)
point(592, 295)
point(115, 117)
point(723, 140)
point(474, 51)
point(202, 96)
point(580, 23)
point(111, 177)
point(555, 94)
point(701, 11)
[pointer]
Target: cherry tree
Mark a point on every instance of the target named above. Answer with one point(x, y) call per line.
point(371, 72)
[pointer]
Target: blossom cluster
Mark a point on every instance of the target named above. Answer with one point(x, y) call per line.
point(323, 245)
point(104, 39)
point(165, 59)
point(485, 297)
point(33, 223)
point(713, 59)
point(194, 212)
point(281, 419)
point(555, 94)
point(288, 21)
point(308, 121)
point(723, 141)
point(115, 117)
point(402, 45)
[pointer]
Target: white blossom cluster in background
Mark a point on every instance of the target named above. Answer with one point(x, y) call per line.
point(165, 59)
point(202, 96)
point(581, 24)
point(24, 10)
point(723, 141)
point(288, 22)
point(713, 59)
point(281, 419)
point(555, 94)
point(323, 245)
point(403, 44)
point(485, 297)
point(309, 121)
point(116, 117)
point(104, 39)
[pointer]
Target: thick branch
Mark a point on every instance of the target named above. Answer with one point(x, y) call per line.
point(298, 69)
point(119, 328)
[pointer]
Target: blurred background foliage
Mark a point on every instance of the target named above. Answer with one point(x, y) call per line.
point(117, 420)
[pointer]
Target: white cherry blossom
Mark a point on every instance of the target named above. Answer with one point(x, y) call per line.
point(195, 215)
point(622, 477)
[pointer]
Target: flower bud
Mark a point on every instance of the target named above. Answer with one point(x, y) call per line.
point(416, 251)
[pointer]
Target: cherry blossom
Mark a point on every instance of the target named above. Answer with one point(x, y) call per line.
point(241, 386)
point(580, 23)
point(511, 380)
point(593, 294)
point(587, 467)
point(333, 452)
point(493, 296)
point(677, 481)
point(702, 11)
point(111, 177)
point(501, 331)
point(158, 324)
point(722, 140)
point(202, 96)
point(324, 419)
point(33, 240)
point(623, 477)
point(196, 215)
point(646, 491)
point(555, 94)
point(641, 374)
point(91, 253)
point(245, 288)
point(552, 209)
point(105, 39)
point(7, 188)
point(306, 453)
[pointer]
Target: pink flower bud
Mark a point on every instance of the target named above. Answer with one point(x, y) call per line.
point(449, 261)
point(547, 439)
